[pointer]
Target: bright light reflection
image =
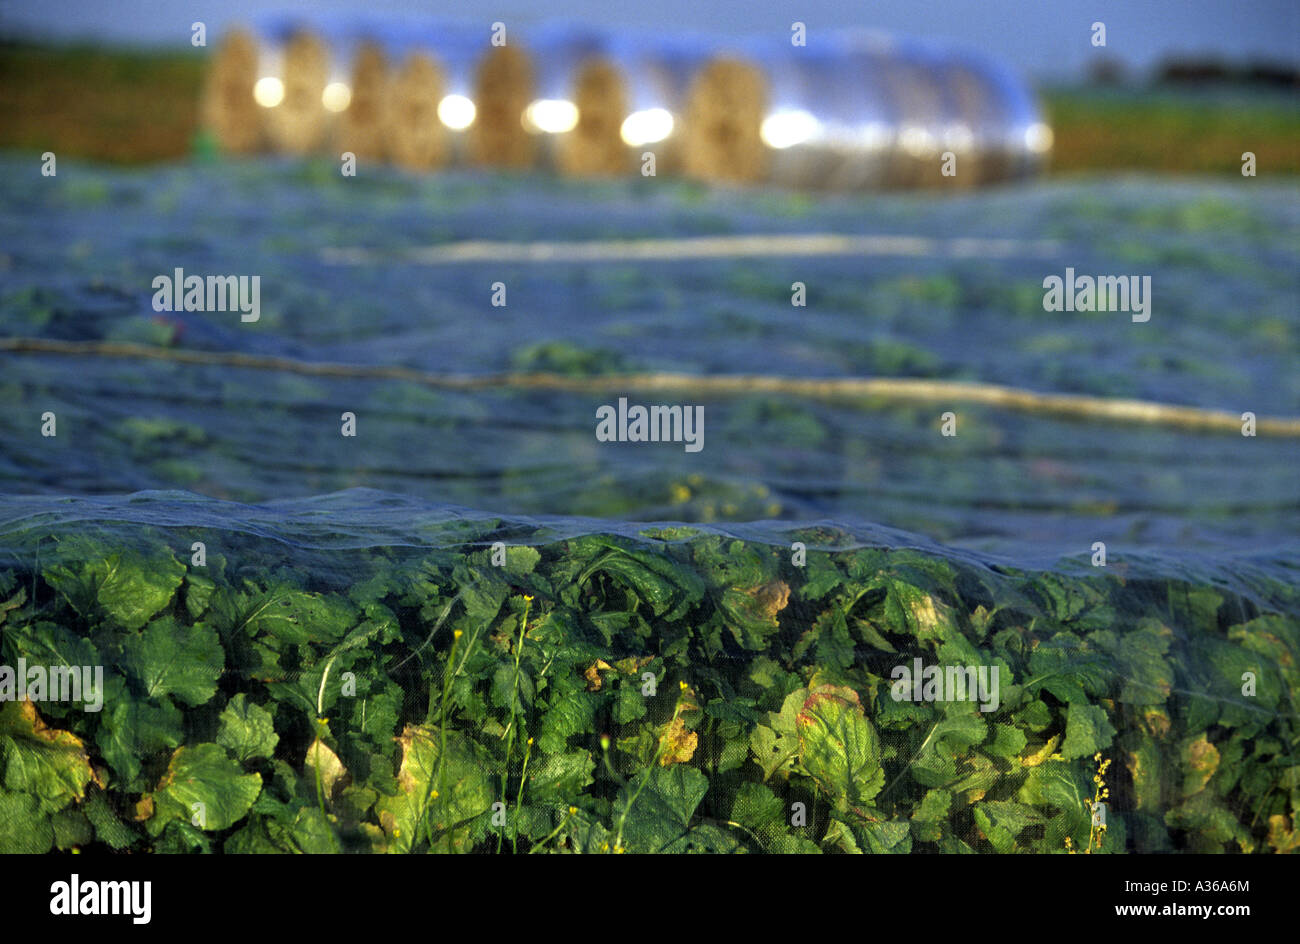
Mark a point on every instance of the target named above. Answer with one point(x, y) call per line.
point(456, 112)
point(551, 116)
point(268, 92)
point(646, 127)
point(787, 128)
point(1039, 138)
point(959, 137)
point(336, 96)
point(916, 140)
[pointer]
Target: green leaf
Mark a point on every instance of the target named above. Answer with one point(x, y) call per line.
point(666, 588)
point(763, 813)
point(311, 833)
point(792, 844)
point(108, 828)
point(1219, 668)
point(1208, 825)
point(128, 586)
point(821, 577)
point(468, 792)
point(1087, 731)
point(510, 687)
point(247, 730)
point(1008, 741)
point(1056, 785)
point(961, 727)
point(167, 659)
point(629, 703)
point(71, 829)
point(751, 613)
point(181, 838)
point(13, 603)
point(659, 819)
point(198, 592)
point(520, 560)
point(48, 644)
point(1002, 822)
point(1139, 654)
point(1064, 599)
point(204, 775)
point(24, 828)
point(758, 808)
point(834, 644)
point(284, 615)
point(910, 609)
point(132, 728)
point(378, 713)
point(560, 778)
point(705, 839)
point(253, 839)
point(1194, 608)
point(1067, 669)
point(481, 592)
point(776, 744)
point(572, 714)
point(887, 838)
point(839, 747)
point(929, 818)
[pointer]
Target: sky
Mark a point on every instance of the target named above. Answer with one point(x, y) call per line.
point(1044, 39)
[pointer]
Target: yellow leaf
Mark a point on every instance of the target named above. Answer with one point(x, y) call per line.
point(144, 809)
point(1042, 754)
point(771, 597)
point(676, 743)
point(1156, 721)
point(592, 675)
point(323, 760)
point(48, 761)
point(1281, 838)
point(1202, 760)
point(631, 665)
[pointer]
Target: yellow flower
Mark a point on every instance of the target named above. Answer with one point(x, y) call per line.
point(573, 811)
point(458, 633)
point(528, 597)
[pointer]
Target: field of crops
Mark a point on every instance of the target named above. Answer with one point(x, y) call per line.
point(473, 626)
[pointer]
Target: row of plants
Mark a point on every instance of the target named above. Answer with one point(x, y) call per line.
point(676, 691)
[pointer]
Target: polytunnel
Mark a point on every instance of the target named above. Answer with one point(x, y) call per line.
point(849, 110)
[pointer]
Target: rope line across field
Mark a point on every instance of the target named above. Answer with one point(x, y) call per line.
point(892, 388)
point(696, 247)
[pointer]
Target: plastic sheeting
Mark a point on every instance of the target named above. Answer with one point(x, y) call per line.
point(847, 110)
point(689, 685)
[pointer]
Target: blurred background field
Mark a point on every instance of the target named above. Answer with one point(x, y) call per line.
point(139, 106)
point(1144, 176)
